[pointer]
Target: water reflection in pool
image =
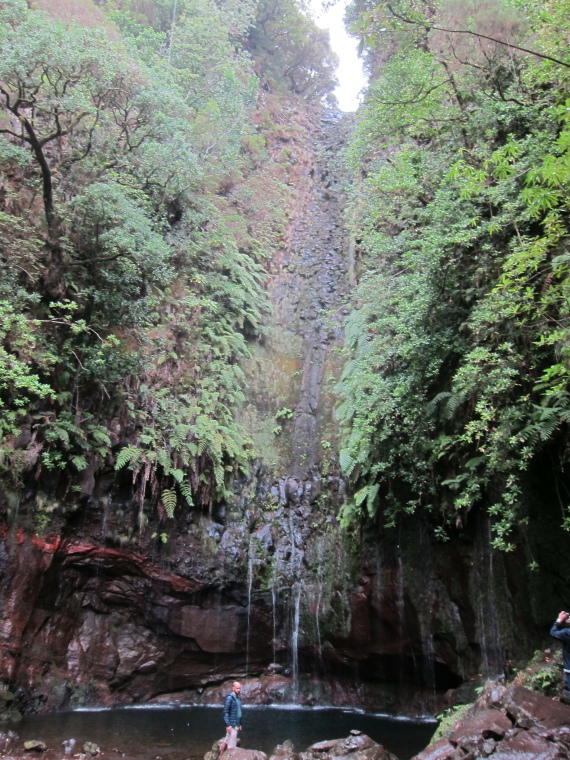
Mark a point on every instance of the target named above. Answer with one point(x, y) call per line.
point(182, 732)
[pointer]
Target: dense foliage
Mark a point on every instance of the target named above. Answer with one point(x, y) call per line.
point(457, 371)
point(131, 263)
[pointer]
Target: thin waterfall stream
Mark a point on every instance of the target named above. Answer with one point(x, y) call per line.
point(289, 381)
point(250, 557)
point(295, 644)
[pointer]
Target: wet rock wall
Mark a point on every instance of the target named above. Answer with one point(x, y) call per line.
point(83, 623)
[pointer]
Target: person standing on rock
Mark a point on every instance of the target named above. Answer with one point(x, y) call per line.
point(232, 717)
point(560, 630)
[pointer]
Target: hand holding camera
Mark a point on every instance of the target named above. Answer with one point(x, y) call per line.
point(563, 617)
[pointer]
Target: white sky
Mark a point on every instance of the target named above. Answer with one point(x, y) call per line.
point(350, 75)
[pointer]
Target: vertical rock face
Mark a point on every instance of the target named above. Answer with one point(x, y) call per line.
point(319, 277)
point(265, 588)
point(290, 409)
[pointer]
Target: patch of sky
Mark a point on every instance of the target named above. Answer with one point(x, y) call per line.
point(350, 74)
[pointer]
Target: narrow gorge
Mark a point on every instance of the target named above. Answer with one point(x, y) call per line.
point(284, 391)
point(266, 588)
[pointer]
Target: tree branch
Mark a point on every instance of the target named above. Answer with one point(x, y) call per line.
point(431, 27)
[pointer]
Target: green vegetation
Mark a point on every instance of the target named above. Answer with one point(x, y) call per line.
point(544, 673)
point(132, 252)
point(457, 363)
point(449, 719)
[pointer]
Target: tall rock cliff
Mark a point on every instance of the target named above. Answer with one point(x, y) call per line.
point(266, 588)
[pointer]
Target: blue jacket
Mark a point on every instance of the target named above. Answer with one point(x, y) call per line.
point(560, 631)
point(232, 710)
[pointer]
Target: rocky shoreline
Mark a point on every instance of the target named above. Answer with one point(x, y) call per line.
point(505, 723)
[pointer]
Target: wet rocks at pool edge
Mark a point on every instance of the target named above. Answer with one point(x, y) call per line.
point(511, 723)
point(505, 723)
point(357, 746)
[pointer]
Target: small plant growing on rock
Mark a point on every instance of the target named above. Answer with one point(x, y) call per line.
point(543, 673)
point(449, 719)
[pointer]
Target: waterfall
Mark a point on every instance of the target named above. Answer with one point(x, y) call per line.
point(218, 626)
point(317, 624)
point(428, 658)
point(308, 288)
point(484, 580)
point(320, 552)
point(400, 601)
point(250, 556)
point(425, 615)
point(274, 589)
point(274, 621)
point(293, 560)
point(295, 644)
point(105, 502)
point(406, 645)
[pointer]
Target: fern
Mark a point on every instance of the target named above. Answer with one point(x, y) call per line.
point(347, 463)
point(186, 491)
point(79, 461)
point(433, 404)
point(130, 455)
point(169, 501)
point(178, 475)
point(163, 459)
point(100, 434)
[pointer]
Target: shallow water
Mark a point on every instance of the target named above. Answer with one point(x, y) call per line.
point(173, 733)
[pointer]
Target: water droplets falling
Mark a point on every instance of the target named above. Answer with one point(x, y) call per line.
point(295, 643)
point(401, 606)
point(317, 623)
point(250, 559)
point(485, 581)
point(425, 614)
point(274, 619)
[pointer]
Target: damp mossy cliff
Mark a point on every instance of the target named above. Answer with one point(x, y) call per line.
point(201, 255)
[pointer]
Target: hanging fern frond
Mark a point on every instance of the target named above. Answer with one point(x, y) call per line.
point(169, 501)
point(130, 455)
point(186, 491)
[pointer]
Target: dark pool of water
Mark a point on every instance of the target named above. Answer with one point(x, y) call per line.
point(181, 732)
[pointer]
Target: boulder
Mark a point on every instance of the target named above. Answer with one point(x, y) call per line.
point(352, 744)
point(325, 746)
point(486, 724)
point(491, 696)
point(440, 750)
point(519, 756)
point(541, 729)
point(357, 746)
point(377, 752)
point(529, 709)
point(35, 745)
point(285, 750)
point(524, 741)
point(214, 753)
point(237, 753)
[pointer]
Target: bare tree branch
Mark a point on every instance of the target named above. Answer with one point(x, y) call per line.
point(432, 27)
